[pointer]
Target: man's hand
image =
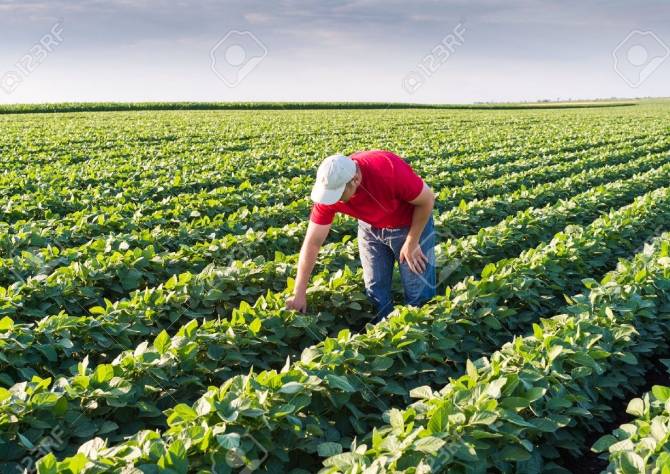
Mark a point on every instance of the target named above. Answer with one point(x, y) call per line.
point(298, 303)
point(316, 234)
point(412, 253)
point(411, 250)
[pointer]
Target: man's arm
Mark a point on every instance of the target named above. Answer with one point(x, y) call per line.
point(316, 235)
point(411, 250)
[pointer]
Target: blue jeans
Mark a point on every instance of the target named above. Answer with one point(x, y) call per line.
point(380, 249)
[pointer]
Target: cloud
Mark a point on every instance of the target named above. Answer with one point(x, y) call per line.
point(509, 43)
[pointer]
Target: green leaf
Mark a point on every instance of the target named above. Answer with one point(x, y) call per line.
point(346, 460)
point(103, 373)
point(514, 453)
point(554, 352)
point(291, 387)
point(341, 382)
point(483, 417)
point(421, 392)
point(186, 412)
point(488, 270)
point(255, 326)
point(162, 342)
point(6, 379)
point(76, 464)
point(396, 420)
point(557, 402)
point(48, 351)
point(215, 352)
point(44, 400)
point(636, 407)
point(429, 444)
point(381, 363)
point(661, 393)
point(590, 282)
point(438, 422)
point(492, 322)
point(471, 370)
point(309, 354)
point(47, 465)
point(535, 393)
point(175, 458)
point(515, 402)
point(329, 449)
point(603, 443)
point(544, 425)
point(6, 323)
point(25, 441)
point(631, 463)
point(228, 441)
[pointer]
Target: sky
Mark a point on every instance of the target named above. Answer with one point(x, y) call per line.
point(421, 51)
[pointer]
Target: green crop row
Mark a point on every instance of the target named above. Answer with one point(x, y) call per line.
point(147, 257)
point(532, 400)
point(643, 445)
point(243, 283)
point(112, 209)
point(126, 106)
point(459, 258)
point(86, 226)
point(316, 360)
point(471, 216)
point(114, 273)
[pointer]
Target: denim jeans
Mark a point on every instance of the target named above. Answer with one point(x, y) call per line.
point(380, 249)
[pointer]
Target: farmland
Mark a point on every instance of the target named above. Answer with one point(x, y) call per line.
point(146, 257)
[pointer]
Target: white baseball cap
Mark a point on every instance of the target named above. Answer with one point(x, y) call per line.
point(331, 178)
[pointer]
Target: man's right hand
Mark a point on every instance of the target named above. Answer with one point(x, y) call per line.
point(297, 303)
point(316, 234)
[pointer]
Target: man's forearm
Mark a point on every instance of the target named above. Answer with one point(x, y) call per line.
point(419, 221)
point(306, 262)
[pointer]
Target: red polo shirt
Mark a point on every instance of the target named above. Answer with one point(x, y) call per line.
point(382, 198)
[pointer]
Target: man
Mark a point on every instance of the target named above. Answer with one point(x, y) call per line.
point(395, 223)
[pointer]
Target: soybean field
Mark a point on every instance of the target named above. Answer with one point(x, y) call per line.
point(146, 255)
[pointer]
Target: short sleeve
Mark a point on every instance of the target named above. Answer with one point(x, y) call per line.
point(408, 185)
point(322, 215)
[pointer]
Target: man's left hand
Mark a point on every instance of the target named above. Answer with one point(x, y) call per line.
point(412, 253)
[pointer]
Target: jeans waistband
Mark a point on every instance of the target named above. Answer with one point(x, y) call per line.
point(388, 229)
point(383, 232)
